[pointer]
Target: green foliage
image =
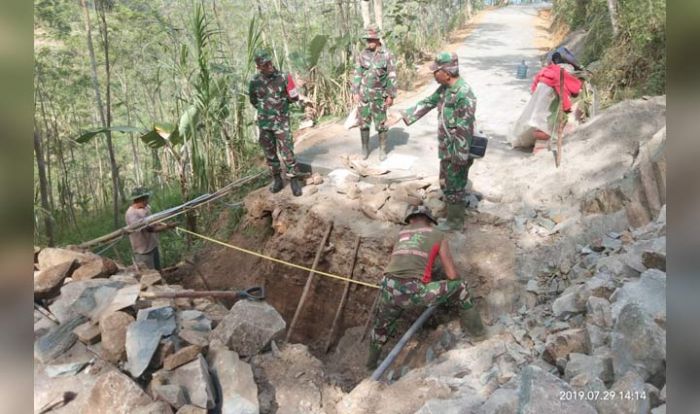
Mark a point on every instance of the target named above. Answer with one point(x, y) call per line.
point(87, 136)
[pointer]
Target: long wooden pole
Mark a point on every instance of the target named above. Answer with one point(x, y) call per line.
point(309, 279)
point(344, 298)
point(370, 317)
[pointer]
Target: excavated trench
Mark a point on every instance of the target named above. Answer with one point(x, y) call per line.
point(283, 228)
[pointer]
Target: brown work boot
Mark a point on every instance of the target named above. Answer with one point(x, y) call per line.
point(471, 324)
point(373, 358)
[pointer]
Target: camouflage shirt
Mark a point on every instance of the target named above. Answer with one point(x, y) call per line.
point(375, 75)
point(456, 107)
point(271, 96)
point(415, 252)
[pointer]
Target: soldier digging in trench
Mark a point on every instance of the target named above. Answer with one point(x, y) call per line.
point(270, 92)
point(374, 89)
point(456, 105)
point(408, 284)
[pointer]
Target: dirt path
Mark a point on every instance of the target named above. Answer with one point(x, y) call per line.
point(488, 57)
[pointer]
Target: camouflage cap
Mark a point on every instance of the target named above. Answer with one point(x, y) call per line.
point(416, 210)
point(262, 56)
point(372, 32)
point(445, 60)
point(140, 192)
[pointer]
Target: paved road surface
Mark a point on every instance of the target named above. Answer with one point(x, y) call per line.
point(488, 60)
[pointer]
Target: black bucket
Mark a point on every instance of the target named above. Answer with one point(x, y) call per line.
point(477, 149)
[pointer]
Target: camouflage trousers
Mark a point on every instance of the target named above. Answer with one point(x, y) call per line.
point(274, 141)
point(453, 180)
point(373, 110)
point(397, 295)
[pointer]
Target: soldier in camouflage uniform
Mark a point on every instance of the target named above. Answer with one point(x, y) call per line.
point(408, 284)
point(374, 89)
point(270, 92)
point(456, 105)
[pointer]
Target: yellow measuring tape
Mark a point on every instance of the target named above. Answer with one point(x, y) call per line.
point(240, 249)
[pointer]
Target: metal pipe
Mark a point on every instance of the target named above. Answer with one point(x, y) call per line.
point(402, 342)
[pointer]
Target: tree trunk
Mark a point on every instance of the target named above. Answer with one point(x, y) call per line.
point(366, 19)
point(612, 9)
point(105, 113)
point(378, 13)
point(48, 225)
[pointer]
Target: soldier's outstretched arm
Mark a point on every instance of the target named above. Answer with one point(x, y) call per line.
point(446, 258)
point(423, 106)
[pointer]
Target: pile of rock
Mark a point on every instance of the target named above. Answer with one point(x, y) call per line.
point(161, 354)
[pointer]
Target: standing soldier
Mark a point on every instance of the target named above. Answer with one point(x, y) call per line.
point(408, 284)
point(374, 89)
point(456, 105)
point(270, 92)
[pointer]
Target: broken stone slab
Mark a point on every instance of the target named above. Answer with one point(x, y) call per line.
point(194, 337)
point(181, 357)
point(163, 315)
point(57, 340)
point(594, 366)
point(539, 393)
point(649, 292)
point(468, 402)
point(394, 211)
point(194, 378)
point(156, 407)
point(113, 329)
point(88, 333)
point(249, 327)
point(97, 267)
point(142, 339)
point(571, 301)
point(561, 344)
point(599, 312)
point(634, 257)
point(630, 396)
point(52, 256)
point(234, 382)
point(170, 393)
point(639, 344)
point(191, 409)
point(371, 203)
point(92, 298)
point(150, 278)
point(597, 336)
point(601, 285)
point(115, 393)
point(501, 401)
point(47, 282)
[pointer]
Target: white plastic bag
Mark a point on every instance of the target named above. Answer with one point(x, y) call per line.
point(352, 120)
point(534, 116)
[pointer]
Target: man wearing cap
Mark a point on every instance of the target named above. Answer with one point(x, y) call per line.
point(374, 89)
point(456, 105)
point(144, 243)
point(270, 92)
point(408, 284)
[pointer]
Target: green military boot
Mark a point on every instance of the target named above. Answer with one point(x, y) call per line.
point(382, 145)
point(295, 184)
point(364, 135)
point(455, 218)
point(277, 183)
point(373, 358)
point(471, 324)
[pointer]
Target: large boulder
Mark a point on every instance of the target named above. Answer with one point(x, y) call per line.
point(540, 392)
point(598, 312)
point(249, 327)
point(595, 366)
point(97, 267)
point(181, 357)
point(502, 401)
point(638, 344)
point(115, 393)
point(234, 382)
point(142, 340)
point(113, 329)
point(194, 378)
point(48, 282)
point(629, 397)
point(52, 256)
point(561, 344)
point(649, 292)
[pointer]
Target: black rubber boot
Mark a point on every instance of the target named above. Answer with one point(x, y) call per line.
point(382, 145)
point(364, 135)
point(471, 324)
point(373, 358)
point(455, 218)
point(277, 184)
point(296, 186)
